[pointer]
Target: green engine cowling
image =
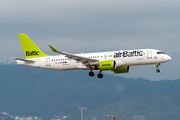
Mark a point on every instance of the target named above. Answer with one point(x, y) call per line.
point(107, 65)
point(124, 69)
point(113, 65)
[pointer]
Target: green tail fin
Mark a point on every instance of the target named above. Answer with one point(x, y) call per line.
point(29, 48)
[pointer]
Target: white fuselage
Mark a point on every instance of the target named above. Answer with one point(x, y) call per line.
point(130, 57)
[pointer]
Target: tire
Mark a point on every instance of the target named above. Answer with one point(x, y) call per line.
point(100, 75)
point(157, 70)
point(91, 74)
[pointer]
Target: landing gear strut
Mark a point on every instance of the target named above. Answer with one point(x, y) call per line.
point(100, 75)
point(157, 65)
point(91, 73)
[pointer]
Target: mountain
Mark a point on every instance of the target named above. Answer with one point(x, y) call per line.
point(26, 91)
point(145, 107)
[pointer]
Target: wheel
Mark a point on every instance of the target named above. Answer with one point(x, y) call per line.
point(157, 70)
point(91, 74)
point(100, 75)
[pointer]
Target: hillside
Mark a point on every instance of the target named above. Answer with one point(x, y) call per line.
point(28, 91)
point(145, 107)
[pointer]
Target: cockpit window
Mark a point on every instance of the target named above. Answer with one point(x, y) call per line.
point(161, 53)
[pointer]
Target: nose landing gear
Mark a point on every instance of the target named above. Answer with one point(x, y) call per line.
point(157, 70)
point(157, 65)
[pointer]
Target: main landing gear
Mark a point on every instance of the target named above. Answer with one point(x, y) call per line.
point(91, 73)
point(100, 75)
point(157, 65)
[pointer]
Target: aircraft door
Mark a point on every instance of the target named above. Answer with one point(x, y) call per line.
point(149, 54)
point(48, 62)
point(105, 56)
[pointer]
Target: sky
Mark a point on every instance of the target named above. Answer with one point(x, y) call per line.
point(76, 26)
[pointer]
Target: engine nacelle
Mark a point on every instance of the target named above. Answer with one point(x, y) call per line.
point(124, 69)
point(119, 63)
point(111, 64)
point(107, 65)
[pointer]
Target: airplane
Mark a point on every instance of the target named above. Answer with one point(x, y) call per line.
point(116, 61)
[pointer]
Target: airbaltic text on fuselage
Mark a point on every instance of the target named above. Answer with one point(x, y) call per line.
point(128, 54)
point(32, 53)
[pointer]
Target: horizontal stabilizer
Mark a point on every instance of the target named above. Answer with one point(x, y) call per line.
point(25, 60)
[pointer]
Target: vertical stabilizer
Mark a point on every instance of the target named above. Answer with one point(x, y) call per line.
point(30, 49)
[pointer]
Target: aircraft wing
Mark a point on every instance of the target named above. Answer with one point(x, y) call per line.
point(25, 60)
point(88, 62)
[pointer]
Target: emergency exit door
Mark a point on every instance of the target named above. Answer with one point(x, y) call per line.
point(105, 56)
point(149, 54)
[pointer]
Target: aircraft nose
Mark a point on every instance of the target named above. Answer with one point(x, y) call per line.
point(168, 58)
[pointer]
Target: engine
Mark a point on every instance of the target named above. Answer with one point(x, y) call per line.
point(124, 69)
point(111, 64)
point(107, 65)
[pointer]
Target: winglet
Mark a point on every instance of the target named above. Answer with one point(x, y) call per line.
point(53, 49)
